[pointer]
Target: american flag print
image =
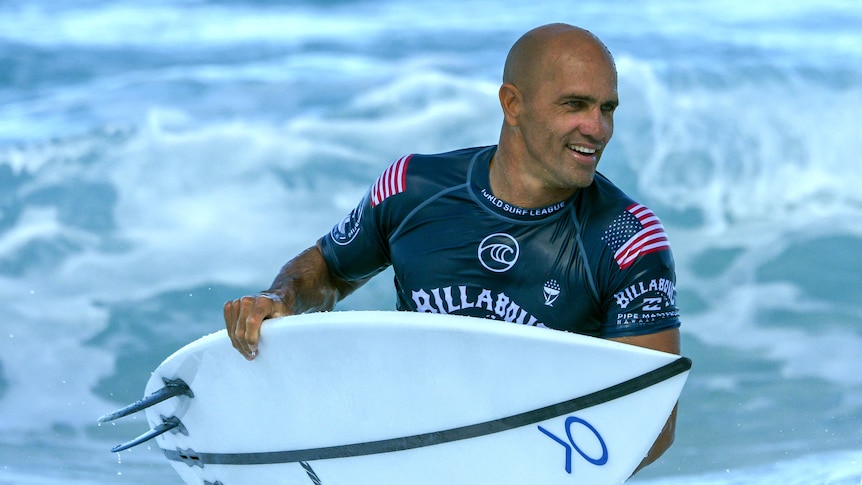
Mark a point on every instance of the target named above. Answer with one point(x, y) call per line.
point(635, 233)
point(392, 181)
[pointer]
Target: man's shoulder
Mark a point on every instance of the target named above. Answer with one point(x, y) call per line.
point(624, 226)
point(416, 177)
point(455, 162)
point(607, 209)
point(605, 200)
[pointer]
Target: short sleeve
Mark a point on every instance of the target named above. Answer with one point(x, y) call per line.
point(358, 247)
point(644, 301)
point(354, 249)
point(640, 282)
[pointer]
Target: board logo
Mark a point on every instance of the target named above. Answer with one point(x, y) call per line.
point(569, 445)
point(499, 252)
point(346, 231)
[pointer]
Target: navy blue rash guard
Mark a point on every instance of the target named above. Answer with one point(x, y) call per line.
point(597, 263)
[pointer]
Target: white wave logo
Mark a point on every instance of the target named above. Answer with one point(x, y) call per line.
point(499, 252)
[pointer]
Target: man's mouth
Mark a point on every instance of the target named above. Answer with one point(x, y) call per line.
point(583, 150)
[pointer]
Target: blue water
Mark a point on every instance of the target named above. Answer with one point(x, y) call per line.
point(158, 158)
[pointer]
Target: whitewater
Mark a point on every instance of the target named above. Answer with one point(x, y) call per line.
point(157, 160)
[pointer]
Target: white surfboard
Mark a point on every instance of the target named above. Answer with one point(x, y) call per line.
point(406, 398)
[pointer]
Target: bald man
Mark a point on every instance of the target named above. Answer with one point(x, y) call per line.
point(526, 231)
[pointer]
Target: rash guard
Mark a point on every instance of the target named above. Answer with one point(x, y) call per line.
point(597, 263)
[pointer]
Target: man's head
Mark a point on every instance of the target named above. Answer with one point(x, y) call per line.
point(558, 97)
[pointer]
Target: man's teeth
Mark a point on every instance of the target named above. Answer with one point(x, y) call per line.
point(584, 150)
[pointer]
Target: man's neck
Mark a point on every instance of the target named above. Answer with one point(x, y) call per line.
point(513, 185)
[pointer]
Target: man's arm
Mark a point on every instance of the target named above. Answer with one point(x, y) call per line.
point(305, 284)
point(665, 341)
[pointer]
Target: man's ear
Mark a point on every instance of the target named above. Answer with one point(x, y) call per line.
point(511, 101)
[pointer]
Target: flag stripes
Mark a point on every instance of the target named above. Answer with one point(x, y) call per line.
point(392, 181)
point(635, 233)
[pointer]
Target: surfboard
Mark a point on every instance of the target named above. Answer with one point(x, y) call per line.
point(408, 398)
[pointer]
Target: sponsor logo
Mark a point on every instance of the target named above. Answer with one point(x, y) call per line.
point(499, 252)
point(467, 300)
point(648, 302)
point(551, 292)
point(661, 290)
point(346, 231)
point(521, 211)
point(645, 318)
point(652, 305)
point(569, 443)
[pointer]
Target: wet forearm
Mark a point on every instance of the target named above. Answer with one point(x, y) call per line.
point(306, 284)
point(662, 443)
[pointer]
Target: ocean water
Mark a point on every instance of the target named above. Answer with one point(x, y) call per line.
point(158, 158)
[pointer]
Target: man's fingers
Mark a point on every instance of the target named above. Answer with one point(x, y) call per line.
point(244, 317)
point(235, 314)
point(230, 317)
point(260, 311)
point(247, 306)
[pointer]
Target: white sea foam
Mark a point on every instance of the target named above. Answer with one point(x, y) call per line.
point(242, 133)
point(736, 155)
point(836, 468)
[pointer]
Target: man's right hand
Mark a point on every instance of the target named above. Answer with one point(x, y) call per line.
point(303, 285)
point(244, 316)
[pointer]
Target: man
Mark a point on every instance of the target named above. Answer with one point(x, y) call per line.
point(525, 232)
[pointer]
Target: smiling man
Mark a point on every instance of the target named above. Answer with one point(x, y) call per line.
point(525, 232)
point(558, 96)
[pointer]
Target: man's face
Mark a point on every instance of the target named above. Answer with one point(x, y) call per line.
point(567, 120)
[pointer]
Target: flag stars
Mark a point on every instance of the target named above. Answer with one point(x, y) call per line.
point(635, 233)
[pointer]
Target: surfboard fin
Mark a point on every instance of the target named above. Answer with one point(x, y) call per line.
point(167, 425)
point(176, 387)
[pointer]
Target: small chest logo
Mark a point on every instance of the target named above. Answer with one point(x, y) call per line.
point(499, 252)
point(551, 291)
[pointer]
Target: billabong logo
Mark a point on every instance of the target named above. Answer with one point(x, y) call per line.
point(499, 252)
point(551, 291)
point(652, 305)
